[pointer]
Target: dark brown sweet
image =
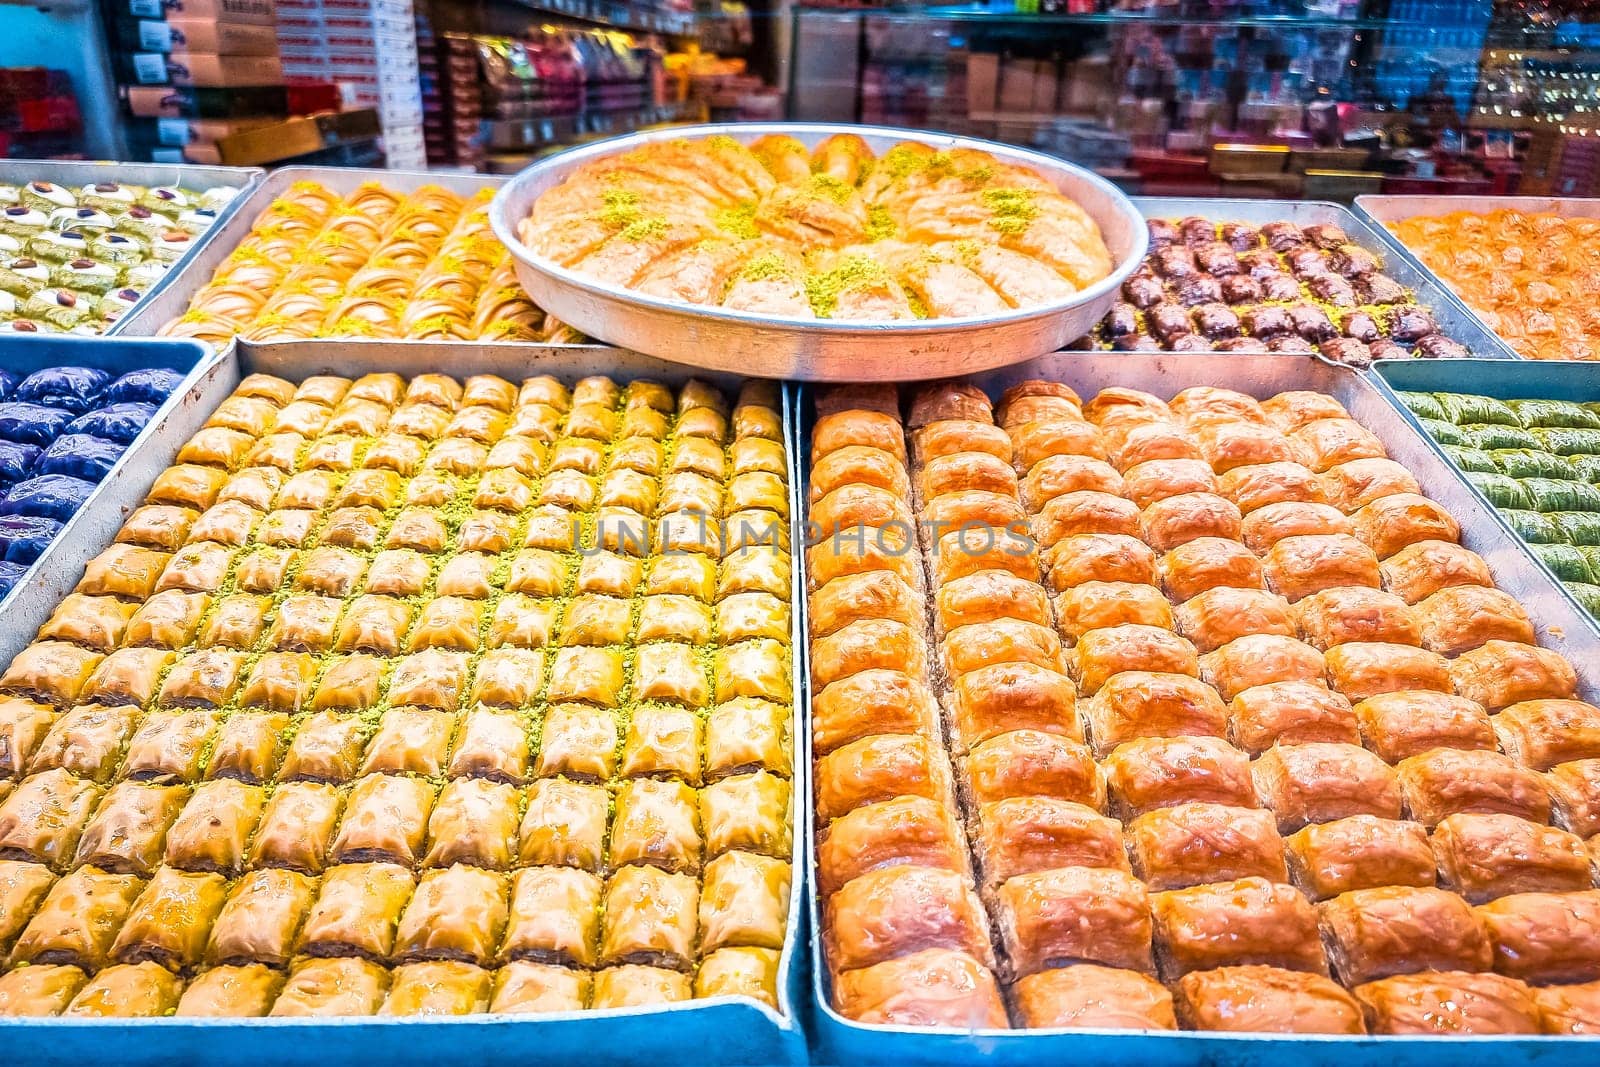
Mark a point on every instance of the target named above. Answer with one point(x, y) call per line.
point(1175, 261)
point(1122, 320)
point(1216, 321)
point(1143, 290)
point(1198, 289)
point(1163, 232)
point(1291, 343)
point(1312, 323)
point(1438, 346)
point(1380, 289)
point(1282, 236)
point(1168, 320)
point(1217, 260)
point(1196, 230)
point(1241, 289)
point(1241, 236)
point(1408, 322)
point(1361, 326)
point(1189, 342)
point(1346, 350)
point(1332, 289)
point(1326, 235)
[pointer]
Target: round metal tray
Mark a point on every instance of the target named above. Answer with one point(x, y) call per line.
point(819, 349)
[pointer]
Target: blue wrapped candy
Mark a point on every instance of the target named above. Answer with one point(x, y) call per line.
point(51, 496)
point(23, 538)
point(73, 388)
point(119, 422)
point(80, 455)
point(16, 461)
point(8, 382)
point(32, 424)
point(10, 575)
point(149, 386)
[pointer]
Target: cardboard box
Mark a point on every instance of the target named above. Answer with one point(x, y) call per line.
point(224, 38)
point(211, 71)
point(157, 102)
point(178, 132)
point(254, 12)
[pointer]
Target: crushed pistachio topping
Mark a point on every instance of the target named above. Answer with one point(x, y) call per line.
point(823, 289)
point(1013, 209)
point(880, 224)
point(739, 221)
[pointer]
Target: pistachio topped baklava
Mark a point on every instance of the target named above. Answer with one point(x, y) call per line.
point(415, 698)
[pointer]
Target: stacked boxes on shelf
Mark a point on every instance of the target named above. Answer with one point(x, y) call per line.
point(369, 49)
point(39, 114)
point(194, 72)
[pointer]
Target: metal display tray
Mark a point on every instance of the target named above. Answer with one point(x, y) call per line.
point(1454, 318)
point(56, 571)
point(1382, 210)
point(75, 174)
point(1560, 624)
point(819, 349)
point(1530, 379)
point(170, 301)
point(718, 1031)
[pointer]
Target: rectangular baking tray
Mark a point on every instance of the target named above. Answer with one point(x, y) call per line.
point(1560, 623)
point(172, 300)
point(1530, 379)
point(54, 573)
point(719, 1031)
point(1382, 210)
point(75, 174)
point(1454, 318)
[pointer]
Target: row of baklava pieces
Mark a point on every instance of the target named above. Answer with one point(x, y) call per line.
point(684, 599)
point(434, 407)
point(100, 744)
point(352, 986)
point(1119, 850)
point(63, 675)
point(1401, 715)
point(288, 278)
point(373, 908)
point(890, 850)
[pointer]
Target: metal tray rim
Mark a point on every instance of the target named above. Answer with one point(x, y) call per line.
point(1374, 237)
point(241, 358)
point(1381, 380)
point(151, 314)
point(72, 171)
point(563, 163)
point(204, 358)
point(937, 1044)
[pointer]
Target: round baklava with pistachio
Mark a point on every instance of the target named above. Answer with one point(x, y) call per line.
point(166, 200)
point(117, 303)
point(60, 307)
point(58, 247)
point(23, 275)
point(217, 198)
point(171, 245)
point(47, 196)
point(117, 248)
point(85, 275)
point(143, 223)
point(82, 219)
point(25, 326)
point(9, 194)
point(197, 221)
point(111, 197)
point(144, 275)
point(21, 220)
